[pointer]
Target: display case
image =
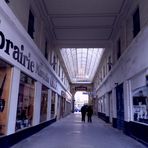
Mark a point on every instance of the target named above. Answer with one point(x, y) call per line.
point(140, 105)
point(25, 102)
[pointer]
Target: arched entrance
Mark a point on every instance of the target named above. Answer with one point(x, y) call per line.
point(81, 98)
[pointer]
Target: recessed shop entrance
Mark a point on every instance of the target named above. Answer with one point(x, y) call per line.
point(120, 106)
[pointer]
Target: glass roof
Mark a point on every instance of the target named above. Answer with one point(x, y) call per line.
point(81, 63)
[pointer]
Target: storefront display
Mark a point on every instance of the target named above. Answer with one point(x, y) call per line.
point(44, 99)
point(140, 104)
point(53, 95)
point(25, 102)
point(5, 80)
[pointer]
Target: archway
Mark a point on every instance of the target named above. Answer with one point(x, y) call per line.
point(81, 98)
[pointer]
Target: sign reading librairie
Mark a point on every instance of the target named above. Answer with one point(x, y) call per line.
point(17, 52)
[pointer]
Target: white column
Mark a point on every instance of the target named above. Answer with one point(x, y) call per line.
point(37, 103)
point(127, 101)
point(56, 105)
point(13, 101)
point(49, 105)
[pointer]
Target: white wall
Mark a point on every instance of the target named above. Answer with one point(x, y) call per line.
point(37, 103)
point(132, 66)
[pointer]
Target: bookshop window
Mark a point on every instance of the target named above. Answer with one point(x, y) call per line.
point(31, 24)
point(25, 102)
point(53, 95)
point(140, 104)
point(44, 99)
point(5, 80)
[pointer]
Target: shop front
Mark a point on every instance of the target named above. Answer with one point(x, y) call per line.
point(25, 104)
point(5, 82)
point(24, 82)
point(140, 104)
point(138, 125)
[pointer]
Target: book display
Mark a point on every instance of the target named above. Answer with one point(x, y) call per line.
point(44, 99)
point(5, 79)
point(25, 102)
point(140, 106)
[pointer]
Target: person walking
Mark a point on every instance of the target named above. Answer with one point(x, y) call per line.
point(89, 113)
point(83, 112)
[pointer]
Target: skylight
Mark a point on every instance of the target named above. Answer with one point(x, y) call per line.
point(81, 63)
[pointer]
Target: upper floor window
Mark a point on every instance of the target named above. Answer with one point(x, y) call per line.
point(118, 49)
point(46, 50)
point(59, 70)
point(7, 1)
point(31, 24)
point(136, 22)
point(109, 63)
point(54, 62)
point(103, 71)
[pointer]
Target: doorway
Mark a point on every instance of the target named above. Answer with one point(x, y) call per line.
point(120, 106)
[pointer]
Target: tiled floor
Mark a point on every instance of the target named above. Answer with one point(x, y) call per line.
point(70, 132)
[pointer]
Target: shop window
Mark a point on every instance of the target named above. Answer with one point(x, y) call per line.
point(44, 99)
point(5, 80)
point(136, 22)
point(31, 24)
point(46, 50)
point(25, 102)
point(53, 95)
point(140, 104)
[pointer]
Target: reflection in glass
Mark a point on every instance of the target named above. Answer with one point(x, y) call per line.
point(140, 104)
point(44, 98)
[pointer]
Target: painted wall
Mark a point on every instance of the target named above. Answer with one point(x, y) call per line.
point(15, 48)
point(132, 66)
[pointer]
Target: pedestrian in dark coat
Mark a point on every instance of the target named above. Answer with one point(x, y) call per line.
point(83, 112)
point(89, 113)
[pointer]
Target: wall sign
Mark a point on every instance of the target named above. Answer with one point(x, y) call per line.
point(81, 88)
point(18, 54)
